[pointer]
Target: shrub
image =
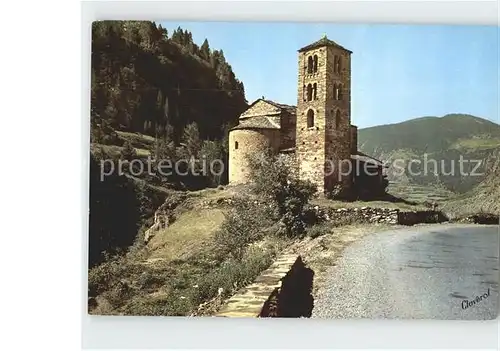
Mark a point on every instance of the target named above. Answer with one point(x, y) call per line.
point(317, 230)
point(276, 182)
point(233, 274)
point(243, 225)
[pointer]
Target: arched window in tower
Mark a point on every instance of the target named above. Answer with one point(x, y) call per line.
point(309, 92)
point(315, 91)
point(310, 65)
point(236, 145)
point(337, 119)
point(304, 93)
point(336, 91)
point(315, 64)
point(310, 118)
point(340, 92)
point(336, 64)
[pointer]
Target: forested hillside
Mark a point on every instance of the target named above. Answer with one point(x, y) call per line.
point(155, 94)
point(144, 78)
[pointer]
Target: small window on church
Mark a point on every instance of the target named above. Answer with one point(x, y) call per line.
point(337, 119)
point(336, 64)
point(336, 91)
point(310, 64)
point(309, 92)
point(315, 91)
point(310, 118)
point(340, 92)
point(315, 64)
point(236, 145)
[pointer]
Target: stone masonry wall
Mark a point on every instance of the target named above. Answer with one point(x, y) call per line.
point(249, 141)
point(327, 143)
point(343, 216)
point(337, 143)
point(288, 125)
point(354, 139)
point(310, 141)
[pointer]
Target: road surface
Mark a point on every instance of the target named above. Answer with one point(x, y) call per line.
point(423, 272)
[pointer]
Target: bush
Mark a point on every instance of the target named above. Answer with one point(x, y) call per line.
point(317, 230)
point(276, 182)
point(233, 274)
point(243, 225)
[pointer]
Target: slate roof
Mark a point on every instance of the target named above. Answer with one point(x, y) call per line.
point(367, 159)
point(288, 108)
point(259, 122)
point(323, 42)
point(264, 121)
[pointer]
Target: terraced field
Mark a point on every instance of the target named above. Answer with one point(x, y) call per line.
point(419, 193)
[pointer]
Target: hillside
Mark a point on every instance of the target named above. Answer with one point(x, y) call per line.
point(145, 81)
point(439, 141)
point(485, 197)
point(158, 94)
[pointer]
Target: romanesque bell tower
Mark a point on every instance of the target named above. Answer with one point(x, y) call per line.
point(324, 114)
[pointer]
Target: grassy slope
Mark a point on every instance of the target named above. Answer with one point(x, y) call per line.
point(188, 235)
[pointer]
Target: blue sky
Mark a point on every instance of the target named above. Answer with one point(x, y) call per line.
point(399, 72)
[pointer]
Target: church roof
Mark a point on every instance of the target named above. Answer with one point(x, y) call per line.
point(259, 122)
point(323, 42)
point(288, 108)
point(360, 156)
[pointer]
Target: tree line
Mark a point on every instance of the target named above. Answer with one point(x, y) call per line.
point(145, 81)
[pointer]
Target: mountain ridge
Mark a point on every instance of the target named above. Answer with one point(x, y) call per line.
point(445, 139)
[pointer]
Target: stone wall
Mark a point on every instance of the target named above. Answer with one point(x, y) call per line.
point(359, 215)
point(338, 127)
point(416, 217)
point(283, 290)
point(249, 141)
point(328, 139)
point(293, 299)
point(343, 216)
point(354, 140)
point(288, 125)
point(481, 218)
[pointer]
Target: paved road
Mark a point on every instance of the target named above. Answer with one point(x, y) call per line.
point(419, 272)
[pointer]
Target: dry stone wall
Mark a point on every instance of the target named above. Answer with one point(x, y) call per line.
point(379, 215)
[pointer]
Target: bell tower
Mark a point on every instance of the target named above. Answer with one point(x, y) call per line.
point(323, 151)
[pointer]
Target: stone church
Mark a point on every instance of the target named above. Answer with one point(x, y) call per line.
point(317, 132)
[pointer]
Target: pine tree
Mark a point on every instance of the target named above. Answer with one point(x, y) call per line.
point(205, 50)
point(191, 140)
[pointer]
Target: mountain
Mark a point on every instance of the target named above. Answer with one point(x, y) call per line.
point(484, 197)
point(452, 151)
point(145, 81)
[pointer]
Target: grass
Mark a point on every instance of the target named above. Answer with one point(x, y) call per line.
point(419, 193)
point(476, 144)
point(114, 150)
point(190, 233)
